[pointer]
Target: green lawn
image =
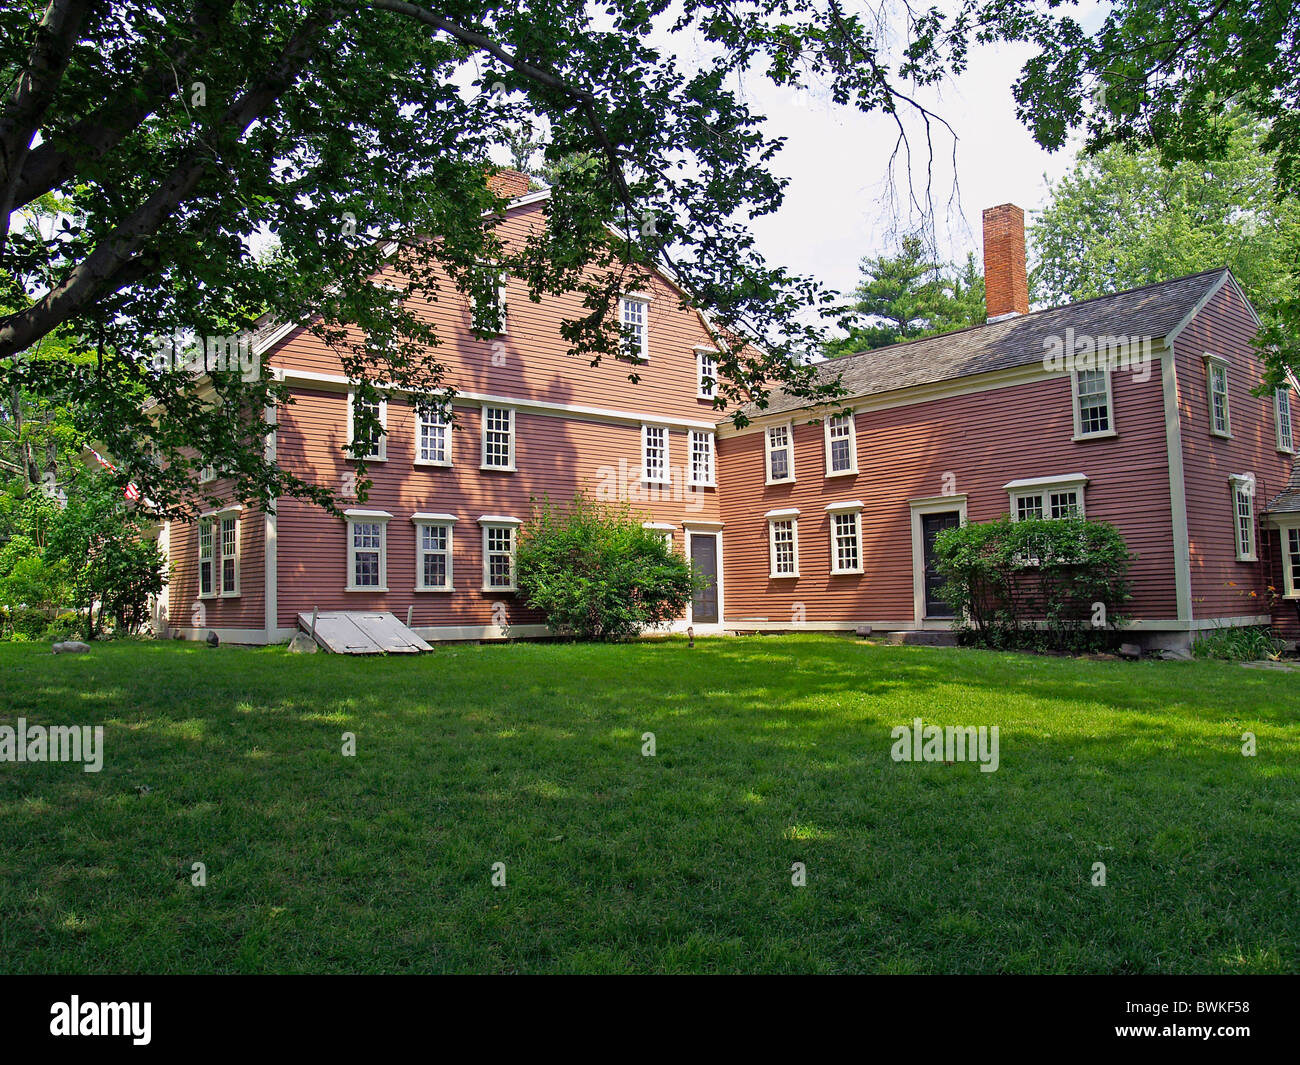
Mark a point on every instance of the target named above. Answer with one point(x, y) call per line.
point(771, 751)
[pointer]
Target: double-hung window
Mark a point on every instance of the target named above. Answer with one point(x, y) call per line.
point(1216, 384)
point(1092, 404)
point(783, 543)
point(433, 439)
point(1282, 419)
point(498, 438)
point(1243, 512)
point(433, 551)
point(779, 445)
point(1291, 562)
point(488, 302)
point(706, 372)
point(701, 458)
point(367, 532)
point(846, 536)
point(841, 446)
point(499, 535)
point(376, 449)
point(229, 555)
point(206, 559)
point(654, 454)
point(634, 316)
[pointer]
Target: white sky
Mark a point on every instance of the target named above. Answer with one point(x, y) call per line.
point(837, 207)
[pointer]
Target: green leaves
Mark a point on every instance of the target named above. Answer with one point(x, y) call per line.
point(597, 574)
point(1055, 583)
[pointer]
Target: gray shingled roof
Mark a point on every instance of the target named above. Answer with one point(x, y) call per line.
point(1149, 312)
point(1288, 500)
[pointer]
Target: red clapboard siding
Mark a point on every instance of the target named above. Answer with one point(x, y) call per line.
point(532, 360)
point(1222, 586)
point(245, 611)
point(555, 458)
point(983, 440)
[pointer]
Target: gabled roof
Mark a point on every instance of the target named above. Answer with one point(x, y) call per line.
point(1149, 312)
point(1288, 500)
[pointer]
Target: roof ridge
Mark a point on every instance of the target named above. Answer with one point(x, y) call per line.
point(1215, 272)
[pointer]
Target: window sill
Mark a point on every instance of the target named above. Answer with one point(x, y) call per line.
point(841, 473)
point(1248, 558)
point(1287, 451)
point(443, 591)
point(782, 576)
point(382, 591)
point(701, 484)
point(701, 395)
point(207, 595)
point(656, 480)
point(500, 591)
point(1109, 434)
point(1221, 436)
point(783, 480)
point(846, 572)
point(228, 595)
point(430, 462)
point(369, 460)
point(496, 469)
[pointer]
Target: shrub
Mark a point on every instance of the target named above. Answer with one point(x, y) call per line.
point(64, 627)
point(1247, 644)
point(28, 622)
point(597, 574)
point(1037, 583)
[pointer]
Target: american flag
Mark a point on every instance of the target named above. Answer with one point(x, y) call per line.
point(131, 492)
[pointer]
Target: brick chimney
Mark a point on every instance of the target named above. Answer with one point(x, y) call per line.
point(1006, 285)
point(509, 184)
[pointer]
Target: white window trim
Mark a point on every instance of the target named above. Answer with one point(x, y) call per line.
point(483, 431)
point(1286, 524)
point(501, 302)
point(853, 507)
point(773, 516)
point(663, 528)
point(381, 517)
point(1103, 434)
point(381, 454)
point(499, 521)
point(1044, 486)
point(700, 354)
point(667, 473)
point(448, 522)
point(221, 517)
point(712, 480)
point(207, 474)
point(447, 435)
point(1210, 361)
point(643, 299)
point(767, 453)
point(853, 447)
point(1244, 484)
point(1283, 396)
point(213, 555)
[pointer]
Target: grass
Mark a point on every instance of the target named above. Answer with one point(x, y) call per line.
point(770, 751)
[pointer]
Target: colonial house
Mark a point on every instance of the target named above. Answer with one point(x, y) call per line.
point(1137, 408)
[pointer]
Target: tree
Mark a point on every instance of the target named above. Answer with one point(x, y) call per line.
point(100, 541)
point(597, 574)
point(356, 135)
point(1121, 220)
point(910, 295)
point(1173, 77)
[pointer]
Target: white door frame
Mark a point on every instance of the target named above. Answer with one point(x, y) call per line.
point(928, 505)
point(706, 528)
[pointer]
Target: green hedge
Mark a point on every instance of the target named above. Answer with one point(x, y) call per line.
point(1037, 583)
